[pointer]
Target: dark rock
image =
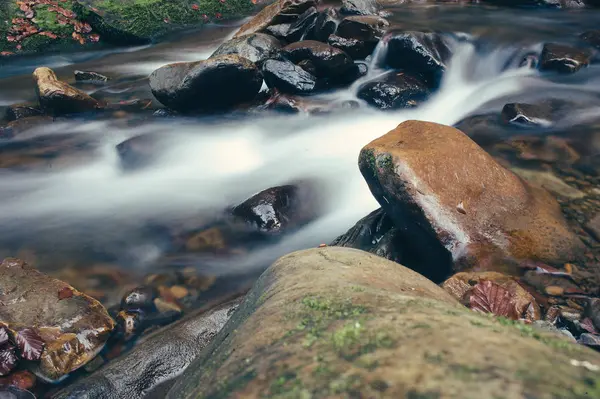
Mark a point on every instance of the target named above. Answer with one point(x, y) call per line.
point(288, 78)
point(141, 298)
point(359, 7)
point(160, 358)
point(486, 213)
point(396, 90)
point(90, 77)
point(256, 47)
point(363, 68)
point(323, 27)
point(351, 316)
point(592, 310)
point(281, 11)
point(215, 84)
point(279, 31)
point(164, 113)
point(58, 97)
point(591, 340)
point(328, 61)
point(72, 328)
point(15, 393)
point(304, 23)
point(375, 233)
point(366, 28)
point(592, 37)
point(527, 115)
point(140, 151)
point(21, 111)
point(563, 59)
point(356, 49)
point(278, 208)
point(420, 53)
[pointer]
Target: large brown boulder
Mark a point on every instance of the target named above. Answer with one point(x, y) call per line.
point(457, 204)
point(57, 97)
point(55, 326)
point(338, 322)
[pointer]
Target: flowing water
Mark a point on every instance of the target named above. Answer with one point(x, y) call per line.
point(97, 209)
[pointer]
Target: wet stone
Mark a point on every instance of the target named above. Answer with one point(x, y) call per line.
point(141, 298)
point(288, 78)
point(328, 61)
point(591, 340)
point(324, 26)
point(395, 91)
point(366, 28)
point(281, 11)
point(304, 23)
point(359, 7)
point(90, 77)
point(21, 111)
point(527, 115)
point(256, 47)
point(66, 332)
point(591, 37)
point(356, 49)
point(563, 59)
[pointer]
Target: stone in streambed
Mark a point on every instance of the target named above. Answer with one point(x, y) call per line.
point(329, 62)
point(420, 53)
point(302, 25)
point(218, 83)
point(527, 115)
point(323, 27)
point(160, 358)
point(21, 111)
point(591, 37)
point(337, 322)
point(90, 77)
point(359, 7)
point(281, 11)
point(256, 47)
point(459, 205)
point(59, 98)
point(356, 49)
point(288, 78)
point(72, 326)
point(140, 151)
point(394, 91)
point(366, 28)
point(563, 59)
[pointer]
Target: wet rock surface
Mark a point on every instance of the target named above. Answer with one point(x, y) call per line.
point(592, 37)
point(528, 115)
point(420, 53)
point(57, 97)
point(486, 211)
point(327, 60)
point(563, 59)
point(346, 323)
point(256, 47)
point(281, 11)
point(359, 7)
point(158, 360)
point(53, 324)
point(90, 77)
point(21, 111)
point(364, 28)
point(356, 49)
point(288, 78)
point(218, 83)
point(323, 27)
point(395, 91)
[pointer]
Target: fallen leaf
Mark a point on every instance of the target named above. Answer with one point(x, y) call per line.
point(218, 15)
point(48, 34)
point(195, 7)
point(6, 53)
point(30, 344)
point(8, 360)
point(94, 37)
point(489, 297)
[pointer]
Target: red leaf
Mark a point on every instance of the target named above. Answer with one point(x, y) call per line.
point(218, 15)
point(30, 344)
point(8, 360)
point(29, 14)
point(24, 7)
point(489, 297)
point(6, 53)
point(65, 293)
point(222, 1)
point(11, 38)
point(86, 28)
point(19, 47)
point(48, 34)
point(94, 37)
point(167, 20)
point(588, 325)
point(195, 7)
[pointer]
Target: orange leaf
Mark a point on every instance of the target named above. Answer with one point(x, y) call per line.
point(489, 297)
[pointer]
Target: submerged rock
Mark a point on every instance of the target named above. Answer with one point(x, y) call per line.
point(419, 53)
point(563, 59)
point(159, 359)
point(256, 47)
point(337, 322)
point(90, 77)
point(59, 98)
point(218, 83)
point(329, 62)
point(528, 115)
point(59, 326)
point(458, 204)
point(21, 111)
point(281, 11)
point(288, 78)
point(592, 37)
point(394, 91)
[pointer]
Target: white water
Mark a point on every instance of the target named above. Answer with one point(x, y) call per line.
point(208, 167)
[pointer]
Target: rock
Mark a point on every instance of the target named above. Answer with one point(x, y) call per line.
point(256, 47)
point(395, 91)
point(280, 31)
point(72, 327)
point(323, 27)
point(328, 61)
point(302, 25)
point(458, 204)
point(288, 78)
point(550, 182)
point(366, 28)
point(549, 149)
point(527, 115)
point(15, 393)
point(359, 7)
point(346, 332)
point(141, 298)
point(356, 49)
point(59, 98)
point(375, 233)
point(592, 310)
point(90, 77)
point(21, 111)
point(278, 208)
point(419, 53)
point(522, 303)
point(218, 83)
point(141, 151)
point(281, 11)
point(591, 340)
point(563, 59)
point(591, 37)
point(160, 358)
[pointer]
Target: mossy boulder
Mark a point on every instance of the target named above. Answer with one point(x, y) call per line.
point(339, 322)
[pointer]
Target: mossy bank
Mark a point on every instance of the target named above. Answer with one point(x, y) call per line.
point(337, 322)
point(56, 25)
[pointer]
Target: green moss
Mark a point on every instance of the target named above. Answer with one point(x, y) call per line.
point(367, 159)
point(47, 21)
point(528, 331)
point(352, 340)
point(385, 162)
